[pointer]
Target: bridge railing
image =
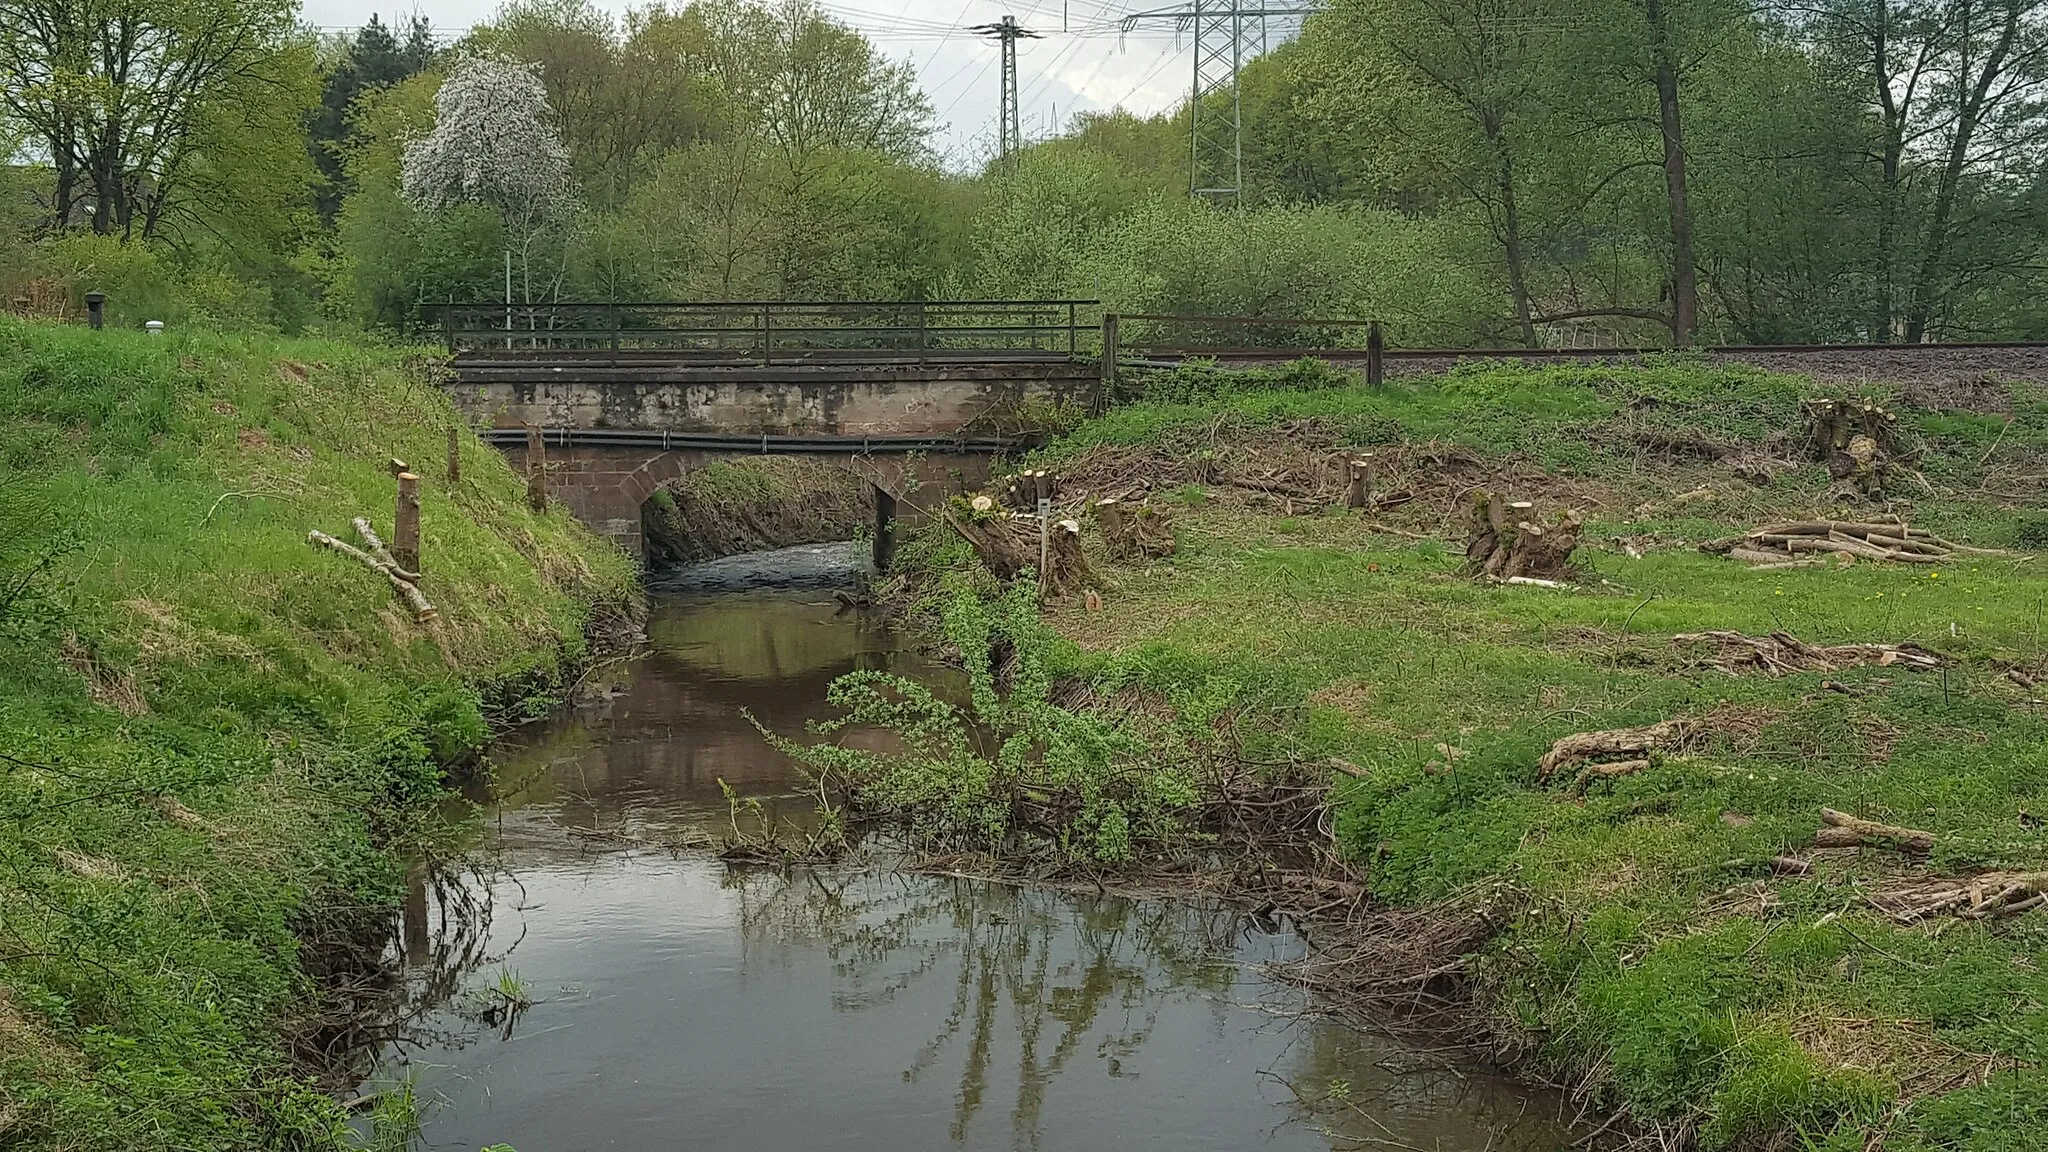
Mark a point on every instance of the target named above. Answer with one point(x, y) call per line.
point(766, 332)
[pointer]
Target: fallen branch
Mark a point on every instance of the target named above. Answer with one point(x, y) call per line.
point(378, 549)
point(1781, 652)
point(423, 610)
point(1841, 830)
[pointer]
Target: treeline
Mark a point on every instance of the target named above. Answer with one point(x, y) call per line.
point(1513, 171)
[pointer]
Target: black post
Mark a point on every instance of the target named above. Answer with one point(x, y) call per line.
point(448, 323)
point(885, 528)
point(767, 337)
point(96, 309)
point(1375, 356)
point(1073, 336)
point(1110, 350)
point(613, 309)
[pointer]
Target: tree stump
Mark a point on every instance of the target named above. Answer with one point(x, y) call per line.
point(1856, 439)
point(1134, 532)
point(1507, 542)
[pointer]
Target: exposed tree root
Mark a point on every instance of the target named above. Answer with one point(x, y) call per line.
point(1781, 652)
point(1616, 752)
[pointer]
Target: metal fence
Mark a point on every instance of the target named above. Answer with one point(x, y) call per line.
point(768, 332)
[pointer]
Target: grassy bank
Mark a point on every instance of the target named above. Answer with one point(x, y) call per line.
point(214, 739)
point(1637, 941)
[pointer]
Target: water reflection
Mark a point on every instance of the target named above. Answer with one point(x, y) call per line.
point(682, 1005)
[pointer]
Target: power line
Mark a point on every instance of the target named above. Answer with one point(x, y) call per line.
point(1010, 128)
point(1216, 101)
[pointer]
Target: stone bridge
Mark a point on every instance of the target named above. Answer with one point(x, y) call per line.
point(610, 427)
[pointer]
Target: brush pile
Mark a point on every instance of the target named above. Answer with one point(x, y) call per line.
point(1804, 543)
point(1993, 894)
point(1781, 652)
point(1506, 542)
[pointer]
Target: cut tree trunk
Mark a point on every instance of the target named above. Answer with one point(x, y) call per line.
point(1505, 542)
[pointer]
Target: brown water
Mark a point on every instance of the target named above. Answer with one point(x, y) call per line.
point(679, 1005)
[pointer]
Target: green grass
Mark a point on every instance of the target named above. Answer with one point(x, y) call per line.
point(1656, 956)
point(217, 737)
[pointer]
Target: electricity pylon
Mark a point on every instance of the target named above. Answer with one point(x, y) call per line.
point(1222, 34)
point(1010, 123)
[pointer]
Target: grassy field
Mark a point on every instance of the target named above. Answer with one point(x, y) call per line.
point(215, 740)
point(1656, 960)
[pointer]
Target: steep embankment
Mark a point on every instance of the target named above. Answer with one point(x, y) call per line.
point(214, 739)
point(746, 505)
point(1664, 934)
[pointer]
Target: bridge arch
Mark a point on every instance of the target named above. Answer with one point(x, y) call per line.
point(606, 485)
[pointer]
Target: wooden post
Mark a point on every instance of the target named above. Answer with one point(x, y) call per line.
point(536, 469)
point(1358, 492)
point(405, 526)
point(885, 528)
point(1110, 352)
point(454, 455)
point(1375, 356)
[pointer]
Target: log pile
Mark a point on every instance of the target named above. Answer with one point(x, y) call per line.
point(1134, 531)
point(1781, 652)
point(1613, 753)
point(1856, 439)
point(1507, 543)
point(377, 558)
point(1803, 543)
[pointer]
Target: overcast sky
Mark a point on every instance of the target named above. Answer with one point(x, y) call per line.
point(1091, 65)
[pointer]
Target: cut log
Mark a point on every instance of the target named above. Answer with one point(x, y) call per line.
point(1872, 833)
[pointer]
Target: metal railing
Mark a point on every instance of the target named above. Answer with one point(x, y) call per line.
point(768, 332)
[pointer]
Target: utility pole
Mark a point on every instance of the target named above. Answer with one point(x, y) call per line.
point(1010, 129)
point(1223, 32)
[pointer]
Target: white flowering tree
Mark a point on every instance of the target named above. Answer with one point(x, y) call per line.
point(495, 144)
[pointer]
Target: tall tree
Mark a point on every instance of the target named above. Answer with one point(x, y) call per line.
point(122, 94)
point(372, 59)
point(494, 144)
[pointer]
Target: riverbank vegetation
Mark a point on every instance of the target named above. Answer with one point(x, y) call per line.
point(1546, 172)
point(1787, 895)
point(754, 503)
point(215, 739)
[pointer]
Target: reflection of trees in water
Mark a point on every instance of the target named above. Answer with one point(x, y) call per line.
point(444, 939)
point(1068, 969)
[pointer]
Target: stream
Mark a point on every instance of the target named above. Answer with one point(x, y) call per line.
point(679, 1004)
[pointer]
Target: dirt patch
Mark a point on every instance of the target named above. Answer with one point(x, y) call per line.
point(107, 687)
point(1905, 1052)
point(749, 505)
